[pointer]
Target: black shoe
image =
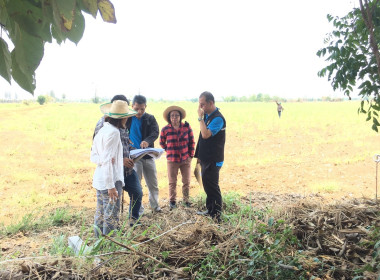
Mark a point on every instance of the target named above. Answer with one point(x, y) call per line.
point(172, 205)
point(203, 213)
point(187, 204)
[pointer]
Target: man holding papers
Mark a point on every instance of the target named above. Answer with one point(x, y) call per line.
point(143, 131)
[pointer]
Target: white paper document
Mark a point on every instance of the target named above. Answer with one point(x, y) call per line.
point(139, 153)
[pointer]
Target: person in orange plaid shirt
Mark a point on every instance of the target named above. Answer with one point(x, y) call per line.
point(178, 141)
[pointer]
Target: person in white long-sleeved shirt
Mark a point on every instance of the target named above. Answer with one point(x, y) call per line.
point(107, 154)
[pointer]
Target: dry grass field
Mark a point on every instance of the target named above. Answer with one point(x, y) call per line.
point(315, 148)
point(298, 199)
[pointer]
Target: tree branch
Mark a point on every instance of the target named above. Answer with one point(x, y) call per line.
point(367, 17)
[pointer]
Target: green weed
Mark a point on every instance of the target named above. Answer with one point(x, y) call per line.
point(36, 222)
point(326, 187)
point(27, 223)
point(59, 246)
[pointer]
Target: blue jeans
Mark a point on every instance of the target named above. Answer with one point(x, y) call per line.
point(134, 190)
point(107, 214)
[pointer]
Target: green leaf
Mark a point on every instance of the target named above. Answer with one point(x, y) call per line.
point(374, 127)
point(107, 11)
point(376, 122)
point(66, 8)
point(28, 50)
point(30, 18)
point(57, 34)
point(377, 245)
point(77, 30)
point(63, 14)
point(4, 16)
point(25, 80)
point(5, 61)
point(369, 116)
point(90, 6)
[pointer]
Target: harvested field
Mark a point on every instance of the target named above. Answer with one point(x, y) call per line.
point(307, 180)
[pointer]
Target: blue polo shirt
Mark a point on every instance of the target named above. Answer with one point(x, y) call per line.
point(135, 132)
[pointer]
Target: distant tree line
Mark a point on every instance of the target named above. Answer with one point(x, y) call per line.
point(51, 98)
point(253, 98)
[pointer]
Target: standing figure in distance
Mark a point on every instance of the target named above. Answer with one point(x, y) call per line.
point(177, 140)
point(210, 152)
point(279, 108)
point(143, 130)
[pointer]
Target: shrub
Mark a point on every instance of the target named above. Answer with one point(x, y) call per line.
point(41, 99)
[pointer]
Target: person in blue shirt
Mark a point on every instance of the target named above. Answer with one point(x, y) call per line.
point(210, 152)
point(143, 131)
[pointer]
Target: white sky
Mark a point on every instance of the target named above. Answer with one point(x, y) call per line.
point(176, 49)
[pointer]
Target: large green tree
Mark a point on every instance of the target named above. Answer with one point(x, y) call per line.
point(353, 53)
point(29, 24)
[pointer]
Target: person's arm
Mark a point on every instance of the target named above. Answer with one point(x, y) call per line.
point(128, 162)
point(191, 142)
point(126, 143)
point(163, 139)
point(206, 133)
point(215, 126)
point(153, 133)
point(203, 128)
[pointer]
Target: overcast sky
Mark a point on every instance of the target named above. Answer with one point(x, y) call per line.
point(176, 49)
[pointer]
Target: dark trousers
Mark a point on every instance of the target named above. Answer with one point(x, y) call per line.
point(134, 190)
point(210, 180)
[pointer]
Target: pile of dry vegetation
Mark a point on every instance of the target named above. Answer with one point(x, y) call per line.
point(297, 239)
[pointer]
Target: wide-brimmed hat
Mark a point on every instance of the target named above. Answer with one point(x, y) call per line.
point(173, 108)
point(117, 110)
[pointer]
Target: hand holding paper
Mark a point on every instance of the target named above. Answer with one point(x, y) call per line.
point(139, 153)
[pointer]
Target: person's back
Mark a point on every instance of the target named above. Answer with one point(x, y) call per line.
point(132, 184)
point(107, 154)
point(102, 154)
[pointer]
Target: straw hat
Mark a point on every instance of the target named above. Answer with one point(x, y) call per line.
point(173, 108)
point(117, 110)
